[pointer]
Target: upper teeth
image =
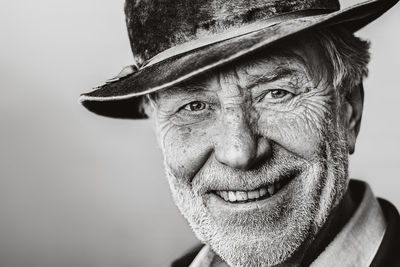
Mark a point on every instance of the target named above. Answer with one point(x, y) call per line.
point(236, 196)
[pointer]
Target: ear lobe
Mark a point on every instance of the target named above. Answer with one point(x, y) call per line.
point(354, 108)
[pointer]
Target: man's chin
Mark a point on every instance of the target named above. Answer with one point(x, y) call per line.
point(253, 233)
point(259, 233)
point(257, 249)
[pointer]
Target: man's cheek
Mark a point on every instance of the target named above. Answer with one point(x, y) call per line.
point(186, 149)
point(296, 132)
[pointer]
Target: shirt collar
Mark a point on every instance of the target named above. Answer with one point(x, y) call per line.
point(355, 245)
point(359, 240)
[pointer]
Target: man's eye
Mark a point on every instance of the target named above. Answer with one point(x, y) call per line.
point(278, 93)
point(195, 106)
point(275, 95)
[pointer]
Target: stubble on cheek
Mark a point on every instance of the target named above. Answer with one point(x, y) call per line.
point(335, 181)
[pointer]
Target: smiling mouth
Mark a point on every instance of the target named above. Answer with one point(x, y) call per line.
point(263, 192)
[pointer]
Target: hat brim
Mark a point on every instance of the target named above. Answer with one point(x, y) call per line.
point(121, 98)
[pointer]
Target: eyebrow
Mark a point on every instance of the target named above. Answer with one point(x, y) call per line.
point(198, 85)
point(192, 85)
point(277, 74)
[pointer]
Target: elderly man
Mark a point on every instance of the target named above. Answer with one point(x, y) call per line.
point(256, 106)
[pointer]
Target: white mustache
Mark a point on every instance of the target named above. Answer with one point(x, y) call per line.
point(216, 176)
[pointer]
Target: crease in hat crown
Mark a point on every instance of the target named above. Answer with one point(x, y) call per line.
point(157, 25)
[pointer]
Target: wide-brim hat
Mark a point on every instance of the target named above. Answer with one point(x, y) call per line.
point(173, 41)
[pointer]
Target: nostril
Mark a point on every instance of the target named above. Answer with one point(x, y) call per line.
point(264, 149)
point(264, 152)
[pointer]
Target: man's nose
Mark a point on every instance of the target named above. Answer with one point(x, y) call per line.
point(238, 146)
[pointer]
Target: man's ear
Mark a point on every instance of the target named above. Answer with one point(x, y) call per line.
point(147, 107)
point(354, 107)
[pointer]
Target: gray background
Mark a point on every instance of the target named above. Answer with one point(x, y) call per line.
point(81, 190)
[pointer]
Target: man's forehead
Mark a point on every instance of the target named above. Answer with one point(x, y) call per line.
point(269, 66)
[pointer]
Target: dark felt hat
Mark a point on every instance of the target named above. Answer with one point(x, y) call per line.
point(174, 40)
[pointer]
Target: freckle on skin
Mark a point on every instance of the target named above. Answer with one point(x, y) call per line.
point(186, 135)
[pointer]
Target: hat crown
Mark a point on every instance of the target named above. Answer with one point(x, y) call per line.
point(156, 25)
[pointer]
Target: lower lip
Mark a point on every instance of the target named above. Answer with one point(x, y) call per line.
point(214, 201)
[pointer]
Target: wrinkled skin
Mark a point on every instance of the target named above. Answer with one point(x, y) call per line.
point(224, 131)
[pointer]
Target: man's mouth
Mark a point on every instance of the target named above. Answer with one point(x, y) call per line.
point(263, 192)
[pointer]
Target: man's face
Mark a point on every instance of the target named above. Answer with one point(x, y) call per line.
point(256, 153)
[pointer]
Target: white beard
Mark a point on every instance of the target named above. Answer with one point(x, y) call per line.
point(267, 239)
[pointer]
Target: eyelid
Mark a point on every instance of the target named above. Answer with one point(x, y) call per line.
point(183, 109)
point(262, 95)
point(186, 105)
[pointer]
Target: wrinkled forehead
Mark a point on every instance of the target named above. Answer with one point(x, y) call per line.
point(303, 58)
